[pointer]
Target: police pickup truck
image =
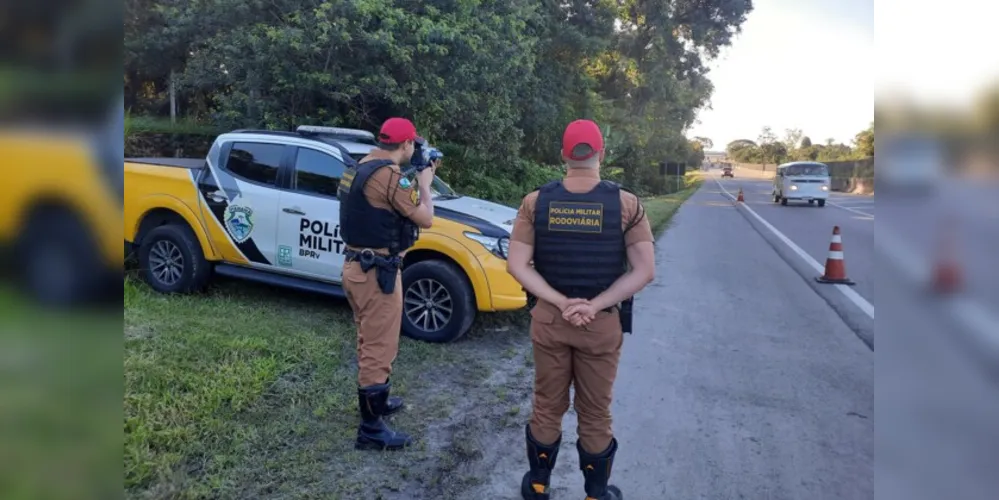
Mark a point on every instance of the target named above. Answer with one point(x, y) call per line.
point(60, 208)
point(262, 206)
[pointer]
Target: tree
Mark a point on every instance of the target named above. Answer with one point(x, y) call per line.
point(792, 138)
point(742, 150)
point(696, 156)
point(806, 142)
point(770, 149)
point(460, 70)
point(705, 142)
point(864, 142)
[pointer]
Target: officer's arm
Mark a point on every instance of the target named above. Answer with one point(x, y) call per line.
point(641, 260)
point(404, 200)
point(423, 216)
point(518, 264)
point(518, 261)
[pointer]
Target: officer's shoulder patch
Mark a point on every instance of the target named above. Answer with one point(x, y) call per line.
point(405, 183)
point(415, 197)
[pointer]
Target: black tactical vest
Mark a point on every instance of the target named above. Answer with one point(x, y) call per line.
point(364, 226)
point(579, 243)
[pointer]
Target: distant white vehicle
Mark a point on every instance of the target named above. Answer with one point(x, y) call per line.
point(802, 181)
point(912, 163)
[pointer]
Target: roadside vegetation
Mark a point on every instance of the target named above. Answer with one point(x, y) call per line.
point(796, 146)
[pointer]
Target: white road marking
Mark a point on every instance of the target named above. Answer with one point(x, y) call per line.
point(848, 292)
point(975, 318)
point(848, 209)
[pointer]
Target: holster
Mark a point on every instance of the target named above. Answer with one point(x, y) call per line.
point(387, 269)
point(625, 314)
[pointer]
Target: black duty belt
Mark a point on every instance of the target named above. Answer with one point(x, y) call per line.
point(386, 268)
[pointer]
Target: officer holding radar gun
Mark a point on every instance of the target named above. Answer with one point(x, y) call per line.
point(592, 250)
point(380, 218)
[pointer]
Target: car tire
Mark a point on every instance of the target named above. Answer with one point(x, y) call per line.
point(822, 203)
point(171, 260)
point(783, 201)
point(434, 278)
point(811, 202)
point(58, 261)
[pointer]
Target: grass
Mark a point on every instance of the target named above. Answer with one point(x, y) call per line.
point(660, 209)
point(150, 124)
point(245, 392)
point(60, 384)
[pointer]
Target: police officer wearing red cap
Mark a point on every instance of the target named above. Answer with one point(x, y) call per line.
point(592, 250)
point(380, 217)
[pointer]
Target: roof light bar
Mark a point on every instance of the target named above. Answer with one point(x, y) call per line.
point(349, 132)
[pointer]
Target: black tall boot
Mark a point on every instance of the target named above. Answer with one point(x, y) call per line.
point(394, 403)
point(597, 471)
point(536, 482)
point(373, 433)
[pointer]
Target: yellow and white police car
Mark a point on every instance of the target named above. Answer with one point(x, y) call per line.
point(262, 206)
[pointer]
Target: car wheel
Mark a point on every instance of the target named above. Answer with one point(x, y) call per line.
point(811, 202)
point(822, 203)
point(171, 260)
point(438, 304)
point(783, 201)
point(58, 261)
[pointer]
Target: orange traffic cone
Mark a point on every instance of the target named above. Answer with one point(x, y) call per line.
point(835, 269)
point(947, 275)
point(740, 198)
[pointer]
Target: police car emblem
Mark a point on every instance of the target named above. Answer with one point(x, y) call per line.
point(239, 222)
point(415, 197)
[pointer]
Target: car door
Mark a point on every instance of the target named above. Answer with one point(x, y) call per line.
point(242, 194)
point(309, 228)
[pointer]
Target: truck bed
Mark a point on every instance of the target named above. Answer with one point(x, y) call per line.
point(189, 163)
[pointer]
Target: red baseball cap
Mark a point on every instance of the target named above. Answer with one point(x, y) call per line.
point(397, 130)
point(582, 140)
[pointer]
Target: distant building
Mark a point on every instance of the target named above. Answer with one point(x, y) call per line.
point(715, 156)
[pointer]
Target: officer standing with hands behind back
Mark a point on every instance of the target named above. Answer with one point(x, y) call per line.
point(592, 248)
point(380, 217)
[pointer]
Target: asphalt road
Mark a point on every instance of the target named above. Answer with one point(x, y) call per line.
point(811, 226)
point(740, 381)
point(747, 379)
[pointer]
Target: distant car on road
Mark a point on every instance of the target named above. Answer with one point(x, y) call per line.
point(909, 164)
point(802, 180)
point(727, 172)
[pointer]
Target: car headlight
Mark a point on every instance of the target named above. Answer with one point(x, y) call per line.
point(497, 246)
point(825, 188)
point(794, 188)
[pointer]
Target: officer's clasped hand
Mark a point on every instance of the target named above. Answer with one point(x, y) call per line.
point(579, 312)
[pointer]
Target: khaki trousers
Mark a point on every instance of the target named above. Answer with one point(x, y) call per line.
point(586, 358)
point(378, 318)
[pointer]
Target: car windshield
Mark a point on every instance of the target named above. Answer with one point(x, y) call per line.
point(438, 188)
point(806, 169)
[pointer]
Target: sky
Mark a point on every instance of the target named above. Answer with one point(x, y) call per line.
point(805, 64)
point(936, 53)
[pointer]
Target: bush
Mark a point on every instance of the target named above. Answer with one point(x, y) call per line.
point(502, 180)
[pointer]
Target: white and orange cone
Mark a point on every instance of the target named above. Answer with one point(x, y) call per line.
point(740, 197)
point(835, 272)
point(947, 275)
